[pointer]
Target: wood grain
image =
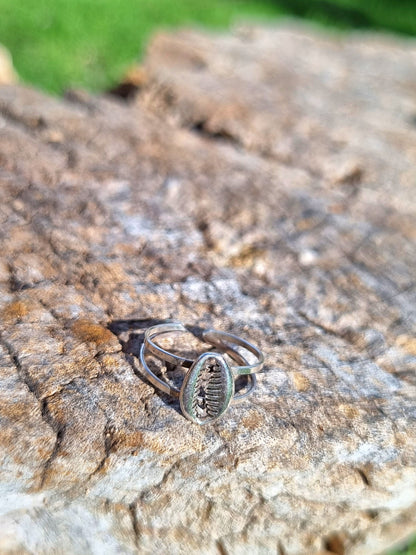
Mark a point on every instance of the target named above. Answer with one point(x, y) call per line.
point(263, 183)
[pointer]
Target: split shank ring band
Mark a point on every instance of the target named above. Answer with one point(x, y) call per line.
point(208, 387)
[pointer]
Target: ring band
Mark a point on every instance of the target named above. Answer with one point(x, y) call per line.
point(175, 392)
point(220, 339)
point(208, 386)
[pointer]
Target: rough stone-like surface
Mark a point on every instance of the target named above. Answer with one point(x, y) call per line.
point(8, 75)
point(262, 183)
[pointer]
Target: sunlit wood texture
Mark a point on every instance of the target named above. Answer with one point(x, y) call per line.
point(261, 183)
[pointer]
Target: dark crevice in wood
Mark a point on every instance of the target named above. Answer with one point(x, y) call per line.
point(21, 370)
point(335, 543)
point(135, 524)
point(203, 130)
point(364, 477)
point(54, 454)
point(221, 547)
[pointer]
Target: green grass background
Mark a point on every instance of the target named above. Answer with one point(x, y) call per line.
point(61, 44)
point(58, 44)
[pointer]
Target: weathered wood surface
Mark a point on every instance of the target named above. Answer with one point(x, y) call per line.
point(262, 183)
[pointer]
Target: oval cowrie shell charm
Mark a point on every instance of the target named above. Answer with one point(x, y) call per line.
point(207, 389)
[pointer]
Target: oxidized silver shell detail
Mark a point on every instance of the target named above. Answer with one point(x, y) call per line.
point(207, 389)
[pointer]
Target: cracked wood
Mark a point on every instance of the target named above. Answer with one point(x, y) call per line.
point(283, 210)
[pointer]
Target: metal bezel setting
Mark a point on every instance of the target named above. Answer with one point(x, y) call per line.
point(207, 389)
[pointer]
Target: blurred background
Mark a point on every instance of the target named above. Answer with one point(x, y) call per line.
point(61, 44)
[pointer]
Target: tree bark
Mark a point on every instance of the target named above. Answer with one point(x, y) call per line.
point(262, 183)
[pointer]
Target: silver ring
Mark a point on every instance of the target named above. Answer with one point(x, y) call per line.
point(208, 387)
point(223, 340)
